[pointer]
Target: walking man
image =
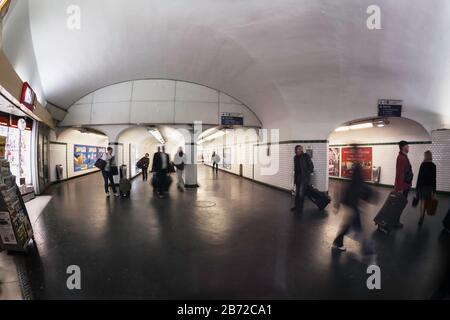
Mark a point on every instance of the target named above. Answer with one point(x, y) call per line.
point(303, 167)
point(404, 173)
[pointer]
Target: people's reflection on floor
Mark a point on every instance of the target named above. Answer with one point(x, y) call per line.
point(443, 290)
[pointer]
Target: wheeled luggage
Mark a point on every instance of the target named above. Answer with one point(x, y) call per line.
point(319, 198)
point(389, 215)
point(125, 187)
point(446, 221)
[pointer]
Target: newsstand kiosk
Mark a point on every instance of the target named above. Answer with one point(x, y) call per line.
point(15, 227)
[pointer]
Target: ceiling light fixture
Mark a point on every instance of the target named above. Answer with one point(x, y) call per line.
point(157, 135)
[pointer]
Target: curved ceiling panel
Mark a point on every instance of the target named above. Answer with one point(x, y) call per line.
point(302, 65)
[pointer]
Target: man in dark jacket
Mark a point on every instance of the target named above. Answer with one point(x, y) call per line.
point(143, 164)
point(303, 167)
point(160, 167)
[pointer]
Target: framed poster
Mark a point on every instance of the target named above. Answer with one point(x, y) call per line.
point(84, 157)
point(363, 155)
point(334, 159)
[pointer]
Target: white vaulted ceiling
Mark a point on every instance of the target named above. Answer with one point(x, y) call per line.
point(304, 66)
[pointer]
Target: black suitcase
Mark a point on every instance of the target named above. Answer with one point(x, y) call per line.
point(125, 187)
point(319, 198)
point(446, 221)
point(389, 215)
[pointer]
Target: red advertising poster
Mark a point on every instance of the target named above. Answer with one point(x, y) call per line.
point(351, 155)
point(334, 161)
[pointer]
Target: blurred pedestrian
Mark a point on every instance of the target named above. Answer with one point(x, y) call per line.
point(179, 161)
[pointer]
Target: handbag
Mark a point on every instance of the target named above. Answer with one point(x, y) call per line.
point(114, 170)
point(100, 163)
point(431, 206)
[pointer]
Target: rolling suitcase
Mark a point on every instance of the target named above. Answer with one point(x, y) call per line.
point(125, 187)
point(446, 222)
point(320, 199)
point(389, 215)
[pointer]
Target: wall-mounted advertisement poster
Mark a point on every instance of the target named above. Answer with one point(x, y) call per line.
point(334, 159)
point(350, 155)
point(84, 157)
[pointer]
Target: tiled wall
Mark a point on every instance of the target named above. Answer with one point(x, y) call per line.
point(283, 178)
point(273, 168)
point(383, 156)
point(441, 156)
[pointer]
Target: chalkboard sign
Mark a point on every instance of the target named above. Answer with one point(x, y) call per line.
point(389, 108)
point(231, 119)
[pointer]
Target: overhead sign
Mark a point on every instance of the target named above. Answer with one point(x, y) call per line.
point(4, 5)
point(231, 119)
point(390, 108)
point(28, 96)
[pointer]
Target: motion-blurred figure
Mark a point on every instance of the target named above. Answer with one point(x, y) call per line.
point(355, 191)
point(179, 161)
point(160, 168)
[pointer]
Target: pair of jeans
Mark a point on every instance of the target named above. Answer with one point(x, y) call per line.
point(108, 179)
point(144, 174)
point(300, 190)
point(216, 166)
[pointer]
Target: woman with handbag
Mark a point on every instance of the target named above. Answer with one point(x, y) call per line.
point(109, 171)
point(426, 185)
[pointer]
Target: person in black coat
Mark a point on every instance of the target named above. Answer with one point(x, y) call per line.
point(303, 168)
point(160, 167)
point(426, 183)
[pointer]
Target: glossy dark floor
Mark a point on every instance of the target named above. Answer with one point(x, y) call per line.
point(231, 238)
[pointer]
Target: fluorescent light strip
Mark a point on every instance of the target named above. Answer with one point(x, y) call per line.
point(157, 135)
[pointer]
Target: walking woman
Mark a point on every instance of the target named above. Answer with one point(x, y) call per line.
point(426, 183)
point(179, 161)
point(108, 171)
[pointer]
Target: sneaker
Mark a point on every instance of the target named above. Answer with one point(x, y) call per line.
point(339, 248)
point(108, 195)
point(116, 194)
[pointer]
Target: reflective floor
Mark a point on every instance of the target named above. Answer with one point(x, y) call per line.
point(231, 238)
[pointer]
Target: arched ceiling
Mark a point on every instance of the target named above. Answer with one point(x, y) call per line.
point(302, 65)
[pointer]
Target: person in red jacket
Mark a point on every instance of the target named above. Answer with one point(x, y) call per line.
point(404, 173)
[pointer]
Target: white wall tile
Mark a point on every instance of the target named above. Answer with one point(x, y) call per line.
point(192, 92)
point(152, 112)
point(148, 90)
point(188, 112)
point(79, 114)
point(109, 113)
point(115, 93)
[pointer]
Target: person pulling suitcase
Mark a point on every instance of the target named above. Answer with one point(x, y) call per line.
point(303, 168)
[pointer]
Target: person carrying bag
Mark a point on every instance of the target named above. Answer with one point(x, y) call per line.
point(109, 171)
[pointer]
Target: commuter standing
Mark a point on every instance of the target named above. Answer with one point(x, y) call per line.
point(143, 164)
point(179, 161)
point(108, 171)
point(303, 168)
point(404, 174)
point(426, 183)
point(215, 159)
point(160, 167)
point(355, 191)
